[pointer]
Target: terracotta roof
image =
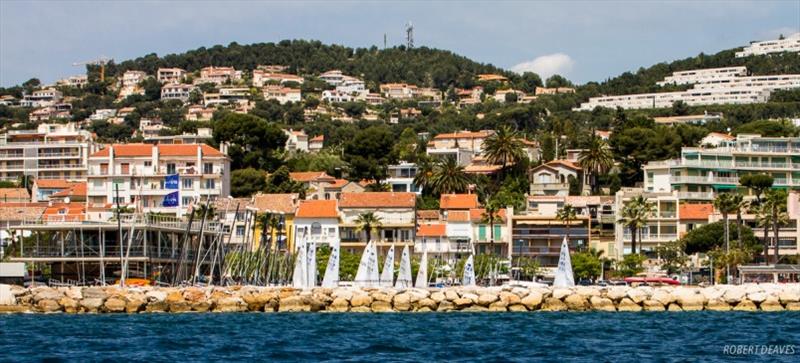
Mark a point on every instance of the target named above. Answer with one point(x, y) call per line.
point(14, 194)
point(556, 163)
point(21, 211)
point(338, 183)
point(70, 211)
point(378, 200)
point(458, 201)
point(482, 169)
point(695, 211)
point(318, 138)
point(317, 209)
point(476, 214)
point(142, 150)
point(458, 216)
point(432, 230)
point(223, 205)
point(464, 135)
point(308, 176)
point(53, 184)
point(76, 190)
point(277, 202)
point(721, 135)
point(428, 214)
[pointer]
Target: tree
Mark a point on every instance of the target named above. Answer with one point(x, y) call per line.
point(776, 202)
point(768, 128)
point(281, 182)
point(673, 258)
point(634, 216)
point(566, 215)
point(556, 81)
point(449, 177)
point(424, 177)
point(245, 182)
point(596, 160)
point(587, 265)
point(504, 147)
point(369, 153)
point(631, 265)
point(725, 203)
point(367, 222)
point(406, 145)
point(491, 208)
point(705, 238)
point(680, 108)
point(511, 97)
point(758, 183)
point(252, 141)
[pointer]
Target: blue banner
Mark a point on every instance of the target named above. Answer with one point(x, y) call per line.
point(172, 181)
point(171, 200)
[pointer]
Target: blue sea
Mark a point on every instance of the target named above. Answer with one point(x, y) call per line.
point(410, 337)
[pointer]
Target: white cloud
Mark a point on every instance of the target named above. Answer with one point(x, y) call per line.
point(547, 65)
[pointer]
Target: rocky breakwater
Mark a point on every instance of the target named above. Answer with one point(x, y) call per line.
point(113, 299)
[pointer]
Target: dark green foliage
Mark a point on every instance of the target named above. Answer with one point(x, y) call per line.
point(245, 182)
point(369, 152)
point(281, 182)
point(768, 128)
point(707, 237)
point(252, 140)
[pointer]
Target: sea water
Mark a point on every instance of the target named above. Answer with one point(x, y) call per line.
point(411, 337)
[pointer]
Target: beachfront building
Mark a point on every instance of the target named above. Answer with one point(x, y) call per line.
point(158, 178)
point(789, 44)
point(283, 207)
point(395, 211)
point(662, 223)
point(700, 172)
point(170, 75)
point(51, 151)
point(316, 221)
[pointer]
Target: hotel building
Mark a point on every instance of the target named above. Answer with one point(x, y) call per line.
point(52, 151)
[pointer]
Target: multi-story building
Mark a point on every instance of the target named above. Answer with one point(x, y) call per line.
point(396, 212)
point(552, 91)
point(317, 221)
point(336, 96)
point(132, 78)
point(787, 44)
point(333, 77)
point(52, 151)
point(296, 140)
point(553, 177)
point(201, 136)
point(400, 91)
point(158, 178)
point(218, 75)
point(689, 119)
point(262, 78)
point(662, 223)
point(462, 145)
point(282, 94)
point(700, 172)
point(316, 143)
point(176, 91)
point(170, 75)
point(42, 98)
point(74, 81)
point(401, 177)
point(707, 75)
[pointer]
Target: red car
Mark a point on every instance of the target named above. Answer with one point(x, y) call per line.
point(652, 280)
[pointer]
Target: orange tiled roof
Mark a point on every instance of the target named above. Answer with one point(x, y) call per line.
point(21, 211)
point(458, 201)
point(482, 169)
point(14, 194)
point(276, 202)
point(428, 214)
point(338, 183)
point(74, 211)
point(721, 135)
point(378, 199)
point(76, 190)
point(432, 230)
point(476, 214)
point(318, 138)
point(458, 216)
point(464, 135)
point(141, 150)
point(317, 209)
point(53, 184)
point(308, 176)
point(695, 211)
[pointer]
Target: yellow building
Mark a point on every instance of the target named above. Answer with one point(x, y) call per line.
point(282, 206)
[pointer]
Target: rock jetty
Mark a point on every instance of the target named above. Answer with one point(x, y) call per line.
point(113, 299)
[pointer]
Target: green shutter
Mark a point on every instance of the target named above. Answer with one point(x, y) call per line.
point(481, 233)
point(497, 231)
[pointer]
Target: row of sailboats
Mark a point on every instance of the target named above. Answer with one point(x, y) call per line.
point(368, 275)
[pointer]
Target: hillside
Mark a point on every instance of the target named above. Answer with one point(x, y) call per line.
point(421, 66)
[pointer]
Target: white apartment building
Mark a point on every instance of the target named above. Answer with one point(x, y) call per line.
point(170, 75)
point(282, 94)
point(352, 85)
point(703, 75)
point(701, 172)
point(397, 214)
point(158, 178)
point(401, 177)
point(296, 140)
point(732, 90)
point(661, 227)
point(74, 81)
point(464, 146)
point(103, 114)
point(788, 44)
point(332, 77)
point(400, 91)
point(52, 151)
point(176, 91)
point(218, 75)
point(132, 78)
point(42, 98)
point(316, 221)
point(335, 96)
point(262, 78)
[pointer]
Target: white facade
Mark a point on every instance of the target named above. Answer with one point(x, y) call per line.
point(282, 94)
point(335, 96)
point(176, 92)
point(261, 78)
point(296, 140)
point(789, 44)
point(42, 98)
point(703, 75)
point(170, 75)
point(52, 151)
point(401, 178)
point(133, 78)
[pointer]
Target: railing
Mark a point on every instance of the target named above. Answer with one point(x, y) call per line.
point(128, 219)
point(696, 195)
point(706, 179)
point(61, 166)
point(59, 154)
point(652, 237)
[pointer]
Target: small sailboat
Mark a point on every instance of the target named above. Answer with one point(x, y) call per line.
point(404, 276)
point(564, 277)
point(367, 274)
point(331, 278)
point(387, 274)
point(469, 272)
point(311, 265)
point(422, 274)
point(299, 275)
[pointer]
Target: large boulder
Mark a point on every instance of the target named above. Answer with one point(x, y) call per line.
point(344, 293)
point(256, 300)
point(653, 305)
point(663, 296)
point(69, 305)
point(475, 309)
point(690, 299)
point(48, 306)
point(339, 304)
point(498, 305)
point(793, 306)
point(734, 294)
point(451, 295)
point(576, 302)
point(639, 294)
point(616, 293)
point(790, 293)
point(230, 304)
point(6, 296)
point(47, 293)
point(402, 302)
point(674, 307)
point(381, 306)
point(438, 296)
point(361, 300)
point(462, 303)
point(446, 305)
point(115, 304)
point(626, 304)
point(91, 305)
point(94, 293)
point(717, 305)
point(553, 304)
point(602, 304)
point(382, 296)
point(510, 298)
point(757, 297)
point(561, 293)
point(771, 304)
point(471, 296)
point(745, 305)
point(517, 308)
point(533, 300)
point(487, 299)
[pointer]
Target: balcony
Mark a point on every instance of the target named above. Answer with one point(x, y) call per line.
point(705, 180)
point(696, 195)
point(61, 166)
point(663, 237)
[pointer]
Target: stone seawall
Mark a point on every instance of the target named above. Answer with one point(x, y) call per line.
point(762, 297)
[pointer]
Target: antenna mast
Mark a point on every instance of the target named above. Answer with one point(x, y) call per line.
point(409, 35)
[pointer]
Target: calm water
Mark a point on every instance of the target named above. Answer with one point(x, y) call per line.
point(614, 337)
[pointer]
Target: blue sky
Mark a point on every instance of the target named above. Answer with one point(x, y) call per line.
point(585, 41)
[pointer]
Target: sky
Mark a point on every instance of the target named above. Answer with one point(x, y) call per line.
point(582, 40)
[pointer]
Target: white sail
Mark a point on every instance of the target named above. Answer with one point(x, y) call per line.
point(469, 272)
point(367, 274)
point(311, 264)
point(387, 274)
point(331, 278)
point(564, 276)
point(404, 276)
point(422, 274)
point(299, 275)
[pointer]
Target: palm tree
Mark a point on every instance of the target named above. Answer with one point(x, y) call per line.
point(424, 174)
point(488, 217)
point(764, 218)
point(635, 215)
point(504, 147)
point(449, 177)
point(366, 222)
point(566, 215)
point(726, 203)
point(597, 159)
point(740, 205)
point(776, 202)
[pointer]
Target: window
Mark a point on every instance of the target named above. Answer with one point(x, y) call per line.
point(332, 231)
point(187, 183)
point(210, 184)
point(208, 168)
point(239, 231)
point(316, 229)
point(186, 201)
point(148, 164)
point(103, 169)
point(125, 168)
point(481, 233)
point(119, 200)
point(497, 229)
point(171, 168)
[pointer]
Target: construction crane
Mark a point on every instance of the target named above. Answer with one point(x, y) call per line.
point(102, 61)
